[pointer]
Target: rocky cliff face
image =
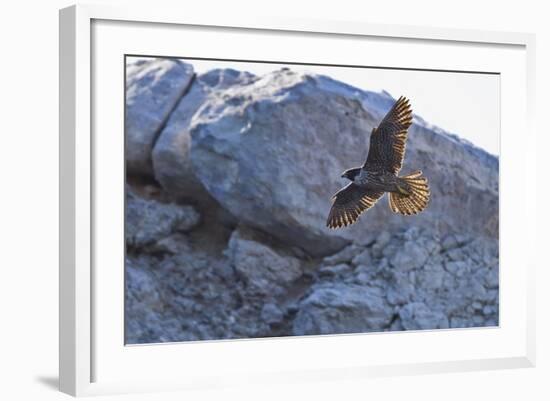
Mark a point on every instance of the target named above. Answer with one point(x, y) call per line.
point(227, 203)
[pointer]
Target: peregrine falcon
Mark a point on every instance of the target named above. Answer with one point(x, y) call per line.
point(408, 194)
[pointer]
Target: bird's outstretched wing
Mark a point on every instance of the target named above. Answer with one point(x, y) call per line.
point(348, 203)
point(387, 141)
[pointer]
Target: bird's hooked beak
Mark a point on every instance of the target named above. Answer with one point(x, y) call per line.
point(343, 175)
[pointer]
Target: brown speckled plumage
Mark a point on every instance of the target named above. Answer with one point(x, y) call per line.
point(409, 194)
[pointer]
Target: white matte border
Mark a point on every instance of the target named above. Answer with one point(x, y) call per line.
point(136, 368)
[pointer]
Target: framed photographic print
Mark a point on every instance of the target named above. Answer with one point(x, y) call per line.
point(267, 200)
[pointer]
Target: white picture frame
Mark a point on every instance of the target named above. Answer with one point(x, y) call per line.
point(92, 355)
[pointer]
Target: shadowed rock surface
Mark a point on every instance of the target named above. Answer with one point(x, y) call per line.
point(231, 242)
point(153, 87)
point(147, 221)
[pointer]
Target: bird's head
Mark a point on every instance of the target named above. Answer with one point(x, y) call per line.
point(351, 173)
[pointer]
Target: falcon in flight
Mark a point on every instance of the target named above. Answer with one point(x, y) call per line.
point(408, 194)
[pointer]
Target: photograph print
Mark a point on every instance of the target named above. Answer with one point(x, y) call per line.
point(276, 199)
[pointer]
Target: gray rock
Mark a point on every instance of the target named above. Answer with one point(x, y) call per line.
point(153, 88)
point(383, 239)
point(457, 268)
point(148, 221)
point(432, 276)
point(410, 256)
point(457, 254)
point(364, 277)
point(173, 244)
point(490, 310)
point(417, 316)
point(171, 154)
point(143, 303)
point(264, 270)
point(188, 297)
point(460, 322)
point(344, 256)
point(477, 306)
point(364, 258)
point(342, 308)
point(272, 314)
point(399, 295)
point(454, 241)
point(492, 278)
point(339, 269)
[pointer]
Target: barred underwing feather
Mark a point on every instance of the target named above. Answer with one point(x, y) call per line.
point(349, 203)
point(408, 195)
point(414, 202)
point(388, 140)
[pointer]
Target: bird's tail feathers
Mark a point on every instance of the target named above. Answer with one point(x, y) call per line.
point(413, 196)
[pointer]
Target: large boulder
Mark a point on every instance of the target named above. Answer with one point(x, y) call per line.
point(271, 152)
point(153, 88)
point(171, 154)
